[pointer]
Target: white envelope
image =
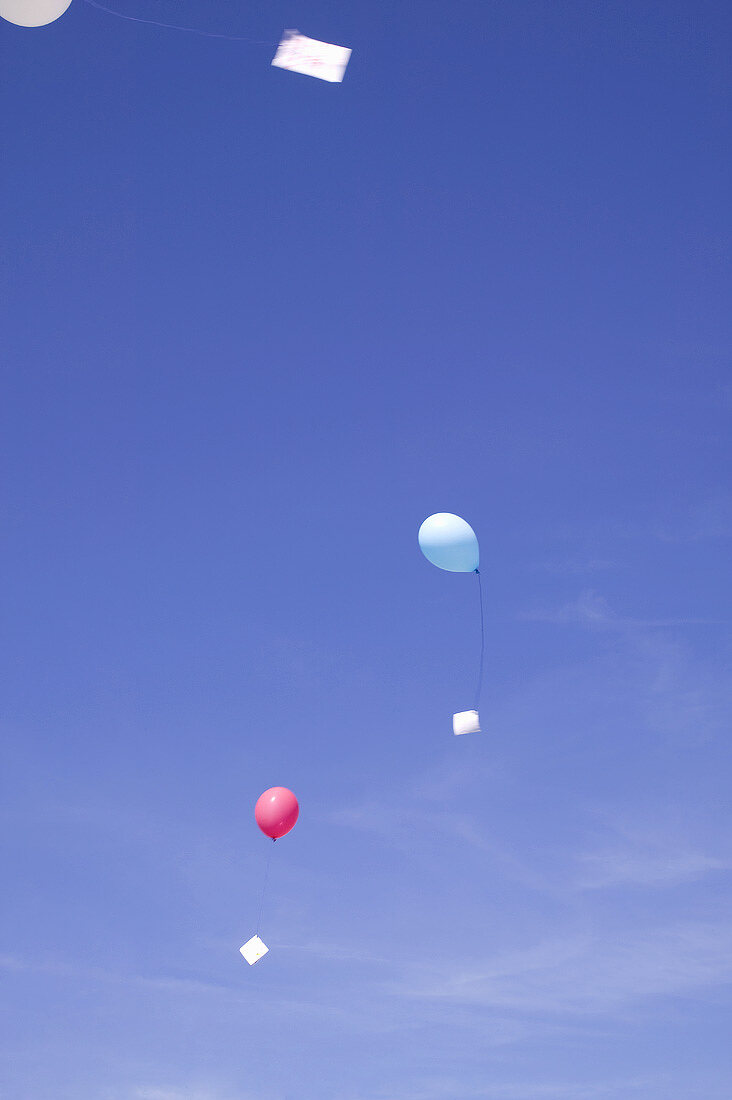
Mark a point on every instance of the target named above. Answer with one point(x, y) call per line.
point(313, 58)
point(466, 721)
point(253, 950)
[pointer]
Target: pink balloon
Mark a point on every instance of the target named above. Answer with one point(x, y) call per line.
point(276, 811)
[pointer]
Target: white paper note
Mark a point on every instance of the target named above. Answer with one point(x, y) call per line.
point(466, 721)
point(313, 58)
point(253, 950)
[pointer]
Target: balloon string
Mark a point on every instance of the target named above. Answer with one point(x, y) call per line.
point(264, 885)
point(174, 26)
point(482, 643)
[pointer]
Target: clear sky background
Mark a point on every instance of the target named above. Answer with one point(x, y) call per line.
point(255, 329)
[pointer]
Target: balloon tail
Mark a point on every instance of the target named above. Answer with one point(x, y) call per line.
point(264, 885)
point(482, 644)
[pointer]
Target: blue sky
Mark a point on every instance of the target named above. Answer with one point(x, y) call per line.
point(255, 329)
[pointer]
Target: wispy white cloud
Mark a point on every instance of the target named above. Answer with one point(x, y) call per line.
point(683, 696)
point(401, 827)
point(447, 1088)
point(334, 952)
point(79, 972)
point(650, 848)
point(440, 1088)
point(588, 609)
point(588, 974)
point(574, 1090)
point(591, 609)
point(650, 682)
point(651, 672)
point(654, 867)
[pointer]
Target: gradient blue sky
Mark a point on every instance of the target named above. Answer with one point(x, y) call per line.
point(255, 328)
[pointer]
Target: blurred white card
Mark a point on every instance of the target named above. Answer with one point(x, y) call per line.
point(466, 721)
point(253, 950)
point(313, 58)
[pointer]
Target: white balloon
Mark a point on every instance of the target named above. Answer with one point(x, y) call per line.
point(32, 13)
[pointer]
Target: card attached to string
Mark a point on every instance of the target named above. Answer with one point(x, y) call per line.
point(253, 950)
point(466, 721)
point(310, 57)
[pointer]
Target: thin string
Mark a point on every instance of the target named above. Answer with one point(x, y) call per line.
point(174, 26)
point(264, 885)
point(482, 643)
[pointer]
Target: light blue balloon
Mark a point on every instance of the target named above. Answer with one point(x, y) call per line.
point(449, 543)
